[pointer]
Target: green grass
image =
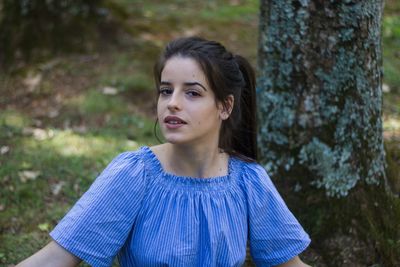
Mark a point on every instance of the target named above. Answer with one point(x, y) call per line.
point(72, 157)
point(391, 52)
point(391, 66)
point(31, 208)
point(209, 9)
point(244, 10)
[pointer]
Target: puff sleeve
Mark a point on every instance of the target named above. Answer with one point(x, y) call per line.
point(275, 235)
point(97, 226)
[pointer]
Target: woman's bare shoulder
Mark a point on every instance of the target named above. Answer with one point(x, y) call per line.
point(159, 150)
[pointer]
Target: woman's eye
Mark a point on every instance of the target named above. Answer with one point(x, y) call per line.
point(165, 91)
point(193, 93)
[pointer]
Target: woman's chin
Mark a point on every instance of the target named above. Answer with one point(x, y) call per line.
point(176, 141)
point(173, 138)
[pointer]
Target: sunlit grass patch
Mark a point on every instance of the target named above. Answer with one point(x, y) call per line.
point(136, 81)
point(391, 26)
point(392, 124)
point(391, 67)
point(65, 156)
point(231, 11)
point(68, 143)
point(225, 10)
point(94, 102)
point(13, 118)
point(391, 52)
point(128, 72)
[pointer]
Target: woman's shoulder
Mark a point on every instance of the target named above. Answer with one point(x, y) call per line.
point(128, 159)
point(249, 166)
point(123, 168)
point(127, 156)
point(251, 172)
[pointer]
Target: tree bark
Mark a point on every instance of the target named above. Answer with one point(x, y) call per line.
point(319, 93)
point(320, 127)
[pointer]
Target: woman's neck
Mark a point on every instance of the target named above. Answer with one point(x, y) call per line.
point(202, 162)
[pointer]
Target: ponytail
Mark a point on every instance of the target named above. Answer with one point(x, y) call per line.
point(244, 138)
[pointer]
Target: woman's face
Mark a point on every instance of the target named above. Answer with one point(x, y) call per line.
point(186, 107)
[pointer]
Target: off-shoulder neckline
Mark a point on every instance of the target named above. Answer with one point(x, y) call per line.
point(156, 165)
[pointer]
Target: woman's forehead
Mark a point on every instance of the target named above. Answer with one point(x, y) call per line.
point(182, 68)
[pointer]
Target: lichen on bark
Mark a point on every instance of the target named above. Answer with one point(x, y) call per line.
point(319, 92)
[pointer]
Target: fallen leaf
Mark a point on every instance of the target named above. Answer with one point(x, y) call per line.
point(4, 150)
point(39, 134)
point(32, 81)
point(44, 227)
point(24, 176)
point(192, 31)
point(131, 143)
point(77, 188)
point(56, 188)
point(109, 90)
point(385, 88)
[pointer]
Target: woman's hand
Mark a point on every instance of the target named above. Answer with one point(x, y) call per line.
point(295, 262)
point(52, 255)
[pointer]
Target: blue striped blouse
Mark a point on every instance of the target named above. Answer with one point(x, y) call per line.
point(147, 217)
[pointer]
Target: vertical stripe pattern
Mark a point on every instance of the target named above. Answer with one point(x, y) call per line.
point(152, 218)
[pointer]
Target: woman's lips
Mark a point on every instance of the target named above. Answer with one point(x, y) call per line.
point(174, 122)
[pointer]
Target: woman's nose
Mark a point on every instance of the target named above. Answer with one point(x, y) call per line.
point(174, 102)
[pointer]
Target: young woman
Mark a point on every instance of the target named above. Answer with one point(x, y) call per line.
point(198, 198)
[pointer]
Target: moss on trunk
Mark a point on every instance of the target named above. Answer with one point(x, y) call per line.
point(320, 107)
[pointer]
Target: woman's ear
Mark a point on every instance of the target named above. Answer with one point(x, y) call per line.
point(227, 107)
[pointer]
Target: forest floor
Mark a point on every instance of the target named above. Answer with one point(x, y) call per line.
point(62, 120)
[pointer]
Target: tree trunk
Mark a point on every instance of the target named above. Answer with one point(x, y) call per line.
point(319, 93)
point(320, 99)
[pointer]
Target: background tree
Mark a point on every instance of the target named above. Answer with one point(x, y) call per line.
point(36, 29)
point(320, 107)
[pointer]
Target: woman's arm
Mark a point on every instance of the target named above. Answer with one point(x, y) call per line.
point(295, 262)
point(52, 255)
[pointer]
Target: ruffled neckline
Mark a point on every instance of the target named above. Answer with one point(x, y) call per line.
point(188, 180)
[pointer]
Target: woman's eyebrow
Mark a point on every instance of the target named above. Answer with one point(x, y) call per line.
point(195, 83)
point(185, 83)
point(165, 83)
